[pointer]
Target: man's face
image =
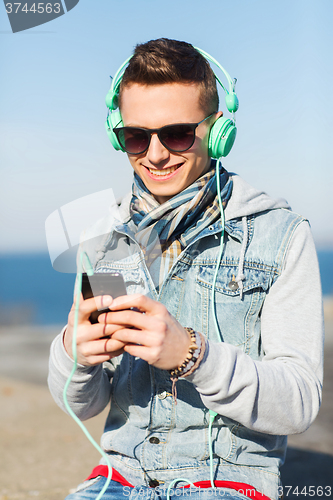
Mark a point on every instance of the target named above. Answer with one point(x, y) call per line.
point(163, 172)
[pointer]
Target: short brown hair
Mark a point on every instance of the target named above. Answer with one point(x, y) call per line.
point(168, 61)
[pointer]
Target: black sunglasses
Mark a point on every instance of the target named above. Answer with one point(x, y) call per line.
point(176, 138)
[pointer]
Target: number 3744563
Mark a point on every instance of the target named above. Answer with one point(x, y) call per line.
point(306, 491)
point(35, 8)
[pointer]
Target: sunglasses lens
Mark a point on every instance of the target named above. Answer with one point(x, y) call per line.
point(177, 137)
point(133, 140)
point(174, 137)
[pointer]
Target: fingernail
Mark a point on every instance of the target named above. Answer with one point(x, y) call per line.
point(107, 300)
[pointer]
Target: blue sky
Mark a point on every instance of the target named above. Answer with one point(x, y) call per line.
point(54, 149)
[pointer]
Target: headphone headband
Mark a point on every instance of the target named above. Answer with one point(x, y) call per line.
point(111, 99)
point(223, 132)
point(231, 98)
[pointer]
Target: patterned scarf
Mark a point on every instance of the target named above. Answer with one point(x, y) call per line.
point(165, 230)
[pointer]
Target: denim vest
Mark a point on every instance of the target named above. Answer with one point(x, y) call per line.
point(147, 435)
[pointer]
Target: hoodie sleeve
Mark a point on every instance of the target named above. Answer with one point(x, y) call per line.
point(280, 394)
point(90, 389)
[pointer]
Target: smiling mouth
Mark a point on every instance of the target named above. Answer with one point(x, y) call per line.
point(164, 171)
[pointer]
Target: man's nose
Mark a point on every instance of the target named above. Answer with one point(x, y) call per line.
point(157, 153)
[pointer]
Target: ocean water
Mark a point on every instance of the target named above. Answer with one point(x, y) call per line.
point(32, 292)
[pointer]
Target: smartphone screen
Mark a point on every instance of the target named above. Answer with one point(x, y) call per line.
point(102, 284)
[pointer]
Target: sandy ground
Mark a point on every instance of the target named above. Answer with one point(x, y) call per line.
point(44, 454)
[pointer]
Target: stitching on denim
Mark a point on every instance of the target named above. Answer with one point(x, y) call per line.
point(230, 293)
point(181, 296)
point(205, 455)
point(250, 229)
point(249, 264)
point(129, 386)
point(233, 441)
point(252, 313)
point(205, 304)
point(287, 239)
point(114, 401)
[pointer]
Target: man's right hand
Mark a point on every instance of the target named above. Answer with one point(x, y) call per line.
point(91, 346)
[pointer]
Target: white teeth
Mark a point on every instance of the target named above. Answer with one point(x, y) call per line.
point(165, 171)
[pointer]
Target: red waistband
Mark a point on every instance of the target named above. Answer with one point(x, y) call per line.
point(243, 488)
point(103, 470)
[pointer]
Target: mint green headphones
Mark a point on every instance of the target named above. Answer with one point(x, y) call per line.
point(222, 134)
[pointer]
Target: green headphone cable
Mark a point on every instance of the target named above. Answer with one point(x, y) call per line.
point(74, 350)
point(212, 414)
point(219, 258)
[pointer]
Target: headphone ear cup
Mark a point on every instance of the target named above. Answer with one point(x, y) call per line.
point(111, 100)
point(221, 138)
point(114, 120)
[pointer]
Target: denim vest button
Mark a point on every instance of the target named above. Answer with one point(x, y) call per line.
point(162, 395)
point(153, 483)
point(154, 440)
point(233, 285)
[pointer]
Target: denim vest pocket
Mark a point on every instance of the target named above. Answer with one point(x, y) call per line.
point(238, 315)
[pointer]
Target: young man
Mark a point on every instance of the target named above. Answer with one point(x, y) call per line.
point(175, 379)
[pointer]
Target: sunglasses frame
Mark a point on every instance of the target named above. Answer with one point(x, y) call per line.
point(158, 131)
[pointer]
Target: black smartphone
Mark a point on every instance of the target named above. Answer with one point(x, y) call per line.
point(102, 284)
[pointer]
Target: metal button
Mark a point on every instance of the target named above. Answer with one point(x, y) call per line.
point(233, 285)
point(162, 395)
point(153, 483)
point(154, 440)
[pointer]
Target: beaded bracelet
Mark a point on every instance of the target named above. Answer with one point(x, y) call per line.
point(193, 359)
point(177, 372)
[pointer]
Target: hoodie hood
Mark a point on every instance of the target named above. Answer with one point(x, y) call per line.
point(246, 200)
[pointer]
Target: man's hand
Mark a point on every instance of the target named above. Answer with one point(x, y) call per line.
point(154, 336)
point(92, 348)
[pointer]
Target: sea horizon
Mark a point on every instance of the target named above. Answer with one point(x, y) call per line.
point(33, 293)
